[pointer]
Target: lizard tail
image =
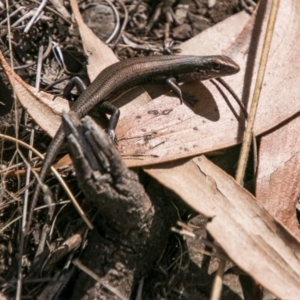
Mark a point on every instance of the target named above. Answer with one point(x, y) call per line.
point(52, 152)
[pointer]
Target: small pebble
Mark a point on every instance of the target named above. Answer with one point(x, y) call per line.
point(211, 3)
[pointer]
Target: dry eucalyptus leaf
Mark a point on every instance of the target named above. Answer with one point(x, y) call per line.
point(99, 55)
point(216, 121)
point(163, 130)
point(277, 186)
point(239, 224)
point(247, 233)
point(278, 177)
point(44, 108)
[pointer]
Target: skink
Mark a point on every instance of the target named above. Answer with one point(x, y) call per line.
point(124, 75)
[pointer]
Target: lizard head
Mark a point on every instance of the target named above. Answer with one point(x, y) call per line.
point(215, 66)
point(207, 67)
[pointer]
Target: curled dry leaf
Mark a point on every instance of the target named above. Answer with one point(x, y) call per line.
point(242, 227)
point(278, 177)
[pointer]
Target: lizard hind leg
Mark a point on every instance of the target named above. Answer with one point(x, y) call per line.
point(74, 82)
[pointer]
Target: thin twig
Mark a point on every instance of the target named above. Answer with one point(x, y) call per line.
point(258, 86)
point(218, 281)
point(89, 272)
point(59, 178)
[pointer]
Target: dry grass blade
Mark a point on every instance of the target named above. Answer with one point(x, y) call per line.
point(56, 174)
point(258, 86)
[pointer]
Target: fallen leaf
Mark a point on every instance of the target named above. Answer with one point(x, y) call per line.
point(97, 59)
point(150, 139)
point(216, 121)
point(49, 118)
point(278, 176)
point(101, 56)
point(241, 226)
point(46, 109)
point(43, 107)
point(248, 234)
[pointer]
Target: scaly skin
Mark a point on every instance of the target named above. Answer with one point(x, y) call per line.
point(124, 75)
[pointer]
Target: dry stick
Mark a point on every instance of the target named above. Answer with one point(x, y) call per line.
point(217, 285)
point(92, 274)
point(10, 223)
point(218, 281)
point(249, 135)
point(258, 86)
point(19, 274)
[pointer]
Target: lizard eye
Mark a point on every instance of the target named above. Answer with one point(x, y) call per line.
point(216, 66)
